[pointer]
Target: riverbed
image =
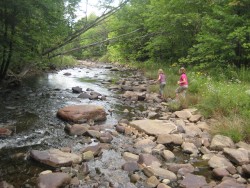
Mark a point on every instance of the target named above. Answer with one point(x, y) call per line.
point(31, 110)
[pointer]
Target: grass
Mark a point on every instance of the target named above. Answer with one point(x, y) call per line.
point(224, 97)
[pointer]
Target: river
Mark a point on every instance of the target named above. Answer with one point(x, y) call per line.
point(31, 110)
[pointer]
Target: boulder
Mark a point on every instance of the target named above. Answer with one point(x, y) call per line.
point(78, 113)
point(154, 127)
point(55, 157)
point(53, 180)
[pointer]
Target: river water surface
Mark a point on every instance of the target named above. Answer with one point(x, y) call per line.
point(31, 110)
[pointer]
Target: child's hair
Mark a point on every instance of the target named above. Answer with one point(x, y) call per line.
point(182, 70)
point(160, 71)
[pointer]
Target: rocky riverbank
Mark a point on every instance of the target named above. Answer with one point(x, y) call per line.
point(143, 148)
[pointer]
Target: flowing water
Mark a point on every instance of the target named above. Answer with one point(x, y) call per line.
point(31, 111)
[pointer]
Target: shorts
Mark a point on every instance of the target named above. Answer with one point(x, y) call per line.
point(181, 89)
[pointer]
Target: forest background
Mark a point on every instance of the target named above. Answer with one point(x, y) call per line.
point(210, 38)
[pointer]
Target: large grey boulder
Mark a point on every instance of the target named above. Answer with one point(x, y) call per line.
point(154, 127)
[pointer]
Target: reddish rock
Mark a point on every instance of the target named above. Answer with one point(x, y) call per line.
point(5, 132)
point(78, 113)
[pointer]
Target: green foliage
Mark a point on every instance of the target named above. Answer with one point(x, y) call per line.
point(58, 62)
point(28, 27)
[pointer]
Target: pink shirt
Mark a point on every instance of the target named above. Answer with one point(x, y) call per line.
point(162, 78)
point(182, 78)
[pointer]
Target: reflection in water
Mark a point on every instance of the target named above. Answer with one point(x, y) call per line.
point(32, 109)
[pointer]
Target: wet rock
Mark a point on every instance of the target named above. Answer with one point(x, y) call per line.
point(219, 142)
point(153, 127)
point(120, 129)
point(130, 156)
point(4, 132)
point(95, 149)
point(193, 181)
point(76, 129)
point(67, 74)
point(94, 133)
point(84, 96)
point(77, 113)
point(76, 89)
point(55, 157)
point(87, 156)
point(106, 138)
point(130, 167)
point(134, 178)
point(53, 180)
point(148, 160)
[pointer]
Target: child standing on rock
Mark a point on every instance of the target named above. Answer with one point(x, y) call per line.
point(162, 80)
point(183, 83)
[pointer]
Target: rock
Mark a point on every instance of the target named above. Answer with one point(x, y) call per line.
point(130, 156)
point(219, 173)
point(237, 156)
point(174, 167)
point(219, 142)
point(184, 114)
point(153, 127)
point(55, 157)
point(168, 155)
point(152, 181)
point(164, 173)
point(130, 166)
point(84, 96)
point(145, 143)
point(87, 156)
point(76, 89)
point(95, 149)
point(190, 148)
point(195, 118)
point(193, 181)
point(4, 132)
point(76, 129)
point(219, 162)
point(228, 183)
point(53, 180)
point(148, 160)
point(77, 113)
point(170, 139)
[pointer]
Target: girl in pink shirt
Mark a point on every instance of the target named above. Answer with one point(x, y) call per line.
point(183, 83)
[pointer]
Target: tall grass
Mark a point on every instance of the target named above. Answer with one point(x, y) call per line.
point(224, 96)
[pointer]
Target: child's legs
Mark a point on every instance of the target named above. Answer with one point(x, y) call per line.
point(162, 89)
